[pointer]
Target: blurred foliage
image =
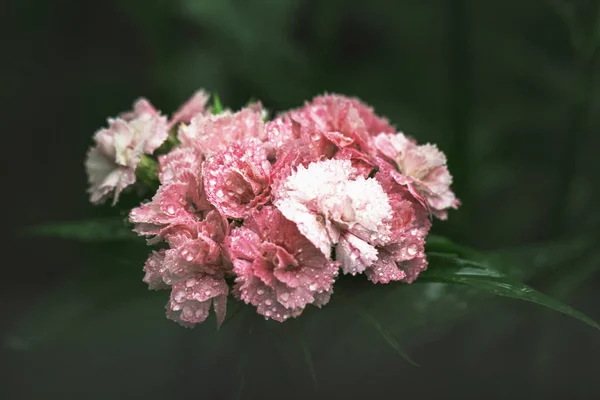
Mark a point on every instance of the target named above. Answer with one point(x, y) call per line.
point(508, 89)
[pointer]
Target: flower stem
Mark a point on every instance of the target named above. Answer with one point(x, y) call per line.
point(147, 172)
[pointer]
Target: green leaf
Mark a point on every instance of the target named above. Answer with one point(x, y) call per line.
point(444, 245)
point(309, 361)
point(92, 230)
point(74, 300)
point(497, 283)
point(387, 336)
point(217, 106)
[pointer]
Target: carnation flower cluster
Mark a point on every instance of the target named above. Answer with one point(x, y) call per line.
point(271, 211)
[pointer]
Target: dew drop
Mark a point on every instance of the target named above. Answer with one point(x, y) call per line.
point(285, 296)
point(313, 286)
point(268, 314)
point(412, 249)
point(189, 257)
point(170, 209)
point(268, 302)
point(207, 292)
point(190, 282)
point(179, 296)
point(260, 292)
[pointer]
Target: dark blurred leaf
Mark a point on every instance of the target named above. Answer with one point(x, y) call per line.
point(92, 230)
point(72, 302)
point(387, 336)
point(496, 283)
point(441, 244)
point(309, 360)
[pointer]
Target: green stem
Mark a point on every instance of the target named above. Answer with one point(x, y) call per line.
point(147, 172)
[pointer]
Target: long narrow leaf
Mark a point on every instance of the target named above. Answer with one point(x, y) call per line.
point(309, 361)
point(371, 320)
point(496, 283)
point(92, 230)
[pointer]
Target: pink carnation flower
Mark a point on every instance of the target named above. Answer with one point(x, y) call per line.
point(191, 300)
point(111, 163)
point(402, 258)
point(195, 265)
point(179, 202)
point(333, 205)
point(179, 164)
point(277, 269)
point(171, 206)
point(340, 121)
point(194, 106)
point(364, 164)
point(423, 170)
point(215, 133)
point(195, 246)
point(152, 269)
point(237, 180)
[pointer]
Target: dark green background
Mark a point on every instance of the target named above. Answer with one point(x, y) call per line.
point(506, 88)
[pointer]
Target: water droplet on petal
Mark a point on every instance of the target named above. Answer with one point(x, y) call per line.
point(260, 292)
point(268, 302)
point(412, 249)
point(268, 313)
point(179, 296)
point(313, 286)
point(207, 292)
point(285, 296)
point(170, 209)
point(190, 282)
